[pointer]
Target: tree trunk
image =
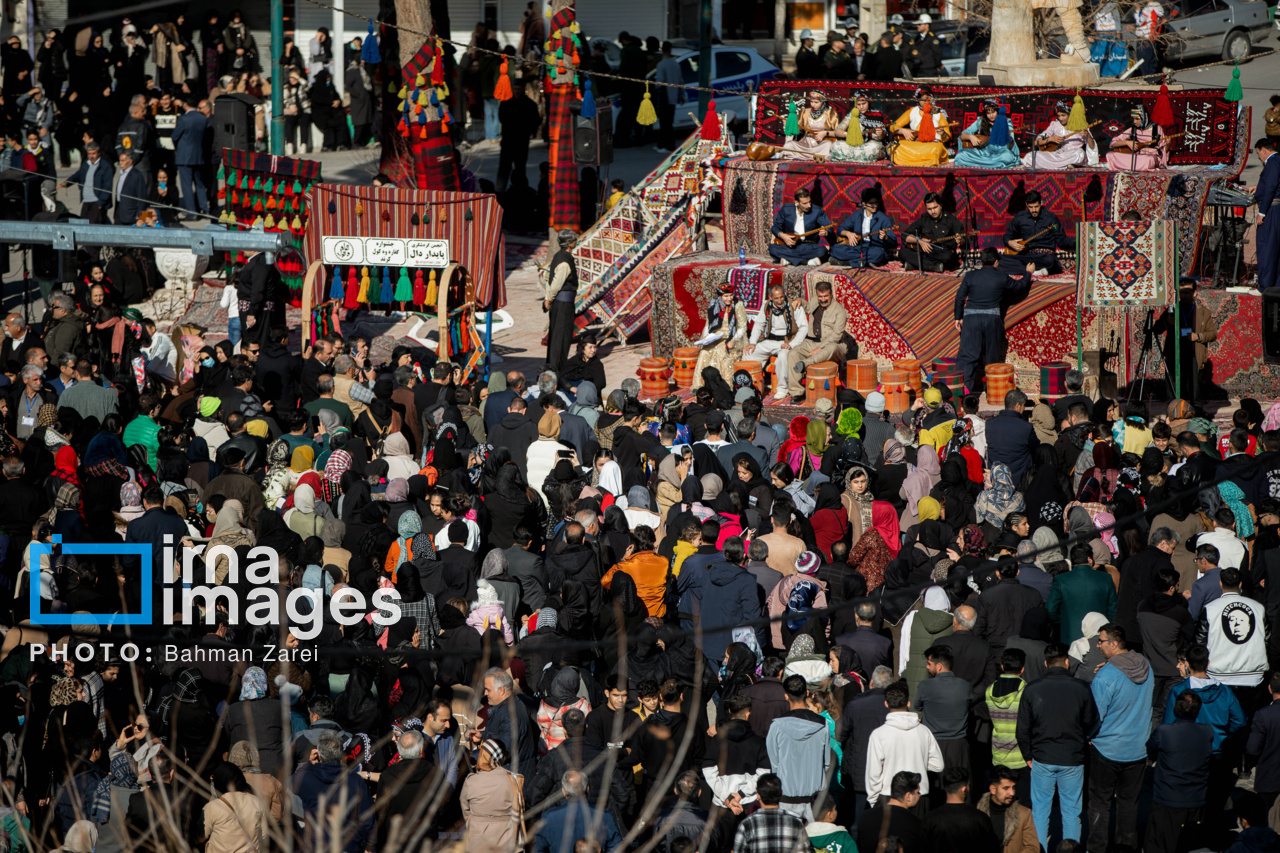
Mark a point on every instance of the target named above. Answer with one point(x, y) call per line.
point(415, 16)
point(1013, 34)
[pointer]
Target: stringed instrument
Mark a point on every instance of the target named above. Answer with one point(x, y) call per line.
point(880, 233)
point(1053, 143)
point(1026, 244)
point(940, 240)
point(1129, 147)
point(778, 241)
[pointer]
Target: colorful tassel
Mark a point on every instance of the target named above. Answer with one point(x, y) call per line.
point(415, 220)
point(468, 216)
point(792, 126)
point(333, 206)
point(364, 286)
point(855, 128)
point(296, 225)
point(646, 116)
point(1000, 131)
point(369, 50)
point(419, 288)
point(359, 208)
point(432, 293)
point(502, 90)
point(1235, 91)
point(386, 216)
point(711, 123)
point(386, 296)
point(297, 187)
point(351, 296)
point(1077, 120)
point(588, 100)
point(1162, 112)
point(404, 287)
point(926, 132)
point(335, 290)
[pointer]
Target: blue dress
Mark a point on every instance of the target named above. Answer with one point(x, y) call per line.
point(988, 156)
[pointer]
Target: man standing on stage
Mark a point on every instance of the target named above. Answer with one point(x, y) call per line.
point(932, 243)
point(827, 321)
point(259, 292)
point(1036, 234)
point(1268, 238)
point(562, 289)
point(979, 316)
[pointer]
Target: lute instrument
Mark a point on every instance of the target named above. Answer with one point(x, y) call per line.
point(880, 233)
point(1131, 147)
point(778, 241)
point(1026, 244)
point(1053, 143)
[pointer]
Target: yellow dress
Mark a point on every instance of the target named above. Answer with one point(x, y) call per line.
point(914, 152)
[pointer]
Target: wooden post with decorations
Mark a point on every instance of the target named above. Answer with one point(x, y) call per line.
point(563, 55)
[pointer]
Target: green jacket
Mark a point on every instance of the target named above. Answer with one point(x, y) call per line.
point(65, 334)
point(145, 431)
point(1077, 593)
point(928, 627)
point(1003, 698)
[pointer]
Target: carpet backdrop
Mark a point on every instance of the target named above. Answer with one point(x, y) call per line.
point(1130, 265)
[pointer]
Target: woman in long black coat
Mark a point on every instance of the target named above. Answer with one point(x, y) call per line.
point(327, 113)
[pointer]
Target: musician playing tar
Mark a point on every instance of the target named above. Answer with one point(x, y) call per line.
point(1141, 147)
point(866, 235)
point(934, 241)
point(1069, 149)
point(800, 218)
point(1035, 234)
point(979, 316)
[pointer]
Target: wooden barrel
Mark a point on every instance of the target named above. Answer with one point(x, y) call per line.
point(755, 368)
point(896, 386)
point(999, 382)
point(821, 381)
point(942, 364)
point(1053, 380)
point(654, 374)
point(912, 367)
point(952, 377)
point(686, 359)
point(860, 375)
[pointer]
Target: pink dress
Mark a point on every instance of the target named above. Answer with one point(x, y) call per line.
point(1146, 160)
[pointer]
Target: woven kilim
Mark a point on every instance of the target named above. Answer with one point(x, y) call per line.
point(1127, 264)
point(749, 284)
point(1235, 358)
point(476, 243)
point(563, 179)
point(1210, 125)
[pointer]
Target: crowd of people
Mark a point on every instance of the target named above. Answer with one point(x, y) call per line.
point(617, 622)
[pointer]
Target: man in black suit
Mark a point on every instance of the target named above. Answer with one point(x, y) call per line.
point(461, 566)
point(874, 649)
point(527, 567)
point(313, 368)
point(18, 338)
point(130, 195)
point(278, 369)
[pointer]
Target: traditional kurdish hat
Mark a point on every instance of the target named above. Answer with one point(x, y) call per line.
point(990, 103)
point(816, 95)
point(922, 92)
point(726, 287)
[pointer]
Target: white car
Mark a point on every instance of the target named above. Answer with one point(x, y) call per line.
point(737, 69)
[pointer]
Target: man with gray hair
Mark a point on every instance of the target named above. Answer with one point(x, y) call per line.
point(136, 136)
point(409, 789)
point(1029, 574)
point(631, 387)
point(326, 384)
point(64, 326)
point(873, 649)
point(66, 377)
point(576, 819)
point(863, 714)
point(18, 338)
point(508, 722)
point(129, 195)
point(561, 290)
point(1140, 579)
point(94, 177)
point(329, 785)
point(27, 398)
point(348, 388)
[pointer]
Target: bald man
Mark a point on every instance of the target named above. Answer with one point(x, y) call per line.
point(969, 650)
point(18, 338)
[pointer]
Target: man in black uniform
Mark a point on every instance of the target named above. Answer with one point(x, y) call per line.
point(979, 315)
point(925, 57)
point(1036, 234)
point(259, 288)
point(927, 244)
point(808, 65)
point(558, 301)
point(137, 137)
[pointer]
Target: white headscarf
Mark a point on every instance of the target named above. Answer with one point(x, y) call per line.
point(611, 478)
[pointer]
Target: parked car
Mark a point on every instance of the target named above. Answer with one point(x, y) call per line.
point(1224, 28)
point(963, 47)
point(737, 69)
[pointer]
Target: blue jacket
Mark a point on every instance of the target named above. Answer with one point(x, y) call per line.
point(1011, 440)
point(799, 745)
point(102, 180)
point(1256, 839)
point(692, 583)
point(880, 221)
point(498, 727)
point(1219, 708)
point(1123, 691)
point(318, 780)
point(785, 220)
point(730, 597)
point(1181, 751)
point(563, 825)
point(1268, 185)
point(188, 138)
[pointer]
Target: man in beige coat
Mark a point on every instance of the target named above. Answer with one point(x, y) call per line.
point(827, 321)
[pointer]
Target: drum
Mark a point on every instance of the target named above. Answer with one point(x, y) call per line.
point(755, 368)
point(912, 367)
point(952, 377)
point(941, 364)
point(821, 381)
point(896, 387)
point(1053, 379)
point(999, 382)
point(686, 359)
point(654, 374)
point(861, 375)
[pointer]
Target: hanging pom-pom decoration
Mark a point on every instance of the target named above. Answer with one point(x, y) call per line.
point(1162, 112)
point(270, 222)
point(546, 13)
point(419, 81)
point(437, 68)
point(296, 224)
point(588, 100)
point(385, 297)
point(711, 123)
point(432, 293)
point(419, 288)
point(363, 295)
point(792, 126)
point(422, 98)
point(359, 208)
point(926, 131)
point(404, 287)
point(333, 206)
point(297, 187)
point(335, 290)
point(257, 205)
point(854, 132)
point(402, 93)
point(415, 220)
point(1000, 131)
point(235, 197)
point(646, 116)
point(351, 295)
point(386, 216)
point(444, 216)
point(1235, 91)
point(502, 90)
point(402, 128)
point(369, 50)
point(468, 216)
point(426, 216)
point(271, 202)
point(1077, 120)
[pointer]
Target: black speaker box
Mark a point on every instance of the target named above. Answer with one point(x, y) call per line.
point(592, 137)
point(233, 122)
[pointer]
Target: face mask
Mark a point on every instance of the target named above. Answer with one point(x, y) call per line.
point(208, 362)
point(160, 185)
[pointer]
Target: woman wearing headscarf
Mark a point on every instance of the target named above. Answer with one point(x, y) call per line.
point(355, 708)
point(334, 554)
point(795, 594)
point(1042, 422)
point(737, 672)
point(408, 526)
point(487, 612)
point(1126, 155)
point(873, 551)
point(622, 615)
point(955, 494)
point(672, 471)
point(645, 658)
point(229, 530)
point(610, 479)
point(797, 438)
point(508, 505)
point(921, 629)
point(544, 453)
point(857, 500)
point(1084, 653)
point(587, 404)
point(891, 475)
point(303, 518)
point(256, 718)
point(1234, 498)
point(807, 457)
point(1045, 500)
point(492, 803)
point(279, 479)
point(994, 504)
point(561, 697)
point(395, 452)
point(63, 489)
point(830, 519)
point(1081, 530)
point(803, 659)
point(721, 393)
point(759, 490)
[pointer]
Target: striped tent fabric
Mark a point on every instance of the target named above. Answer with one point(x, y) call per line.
point(339, 210)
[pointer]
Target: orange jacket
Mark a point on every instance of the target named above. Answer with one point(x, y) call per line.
point(649, 571)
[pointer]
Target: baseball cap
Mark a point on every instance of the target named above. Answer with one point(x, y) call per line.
point(875, 402)
point(932, 397)
point(715, 419)
point(824, 408)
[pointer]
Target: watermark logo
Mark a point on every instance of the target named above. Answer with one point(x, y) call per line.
point(40, 549)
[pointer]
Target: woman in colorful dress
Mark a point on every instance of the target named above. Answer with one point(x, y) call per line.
point(727, 316)
point(861, 136)
point(999, 151)
point(1079, 149)
point(923, 131)
point(818, 123)
point(1149, 158)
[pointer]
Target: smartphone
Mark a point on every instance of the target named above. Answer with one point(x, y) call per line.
point(128, 732)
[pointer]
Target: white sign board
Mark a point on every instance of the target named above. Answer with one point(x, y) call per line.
point(386, 252)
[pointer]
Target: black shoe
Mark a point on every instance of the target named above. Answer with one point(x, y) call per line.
point(797, 399)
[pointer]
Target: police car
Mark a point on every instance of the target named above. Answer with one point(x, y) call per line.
point(736, 69)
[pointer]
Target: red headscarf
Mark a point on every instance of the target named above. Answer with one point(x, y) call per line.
point(64, 465)
point(312, 479)
point(795, 437)
point(885, 521)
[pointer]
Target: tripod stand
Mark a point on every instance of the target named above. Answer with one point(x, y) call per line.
point(1144, 356)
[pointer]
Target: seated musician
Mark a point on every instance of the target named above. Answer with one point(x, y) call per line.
point(727, 317)
point(860, 138)
point(866, 235)
point(776, 330)
point(1134, 156)
point(924, 132)
point(933, 242)
point(991, 140)
point(827, 322)
point(1034, 235)
point(818, 123)
point(1069, 149)
point(793, 220)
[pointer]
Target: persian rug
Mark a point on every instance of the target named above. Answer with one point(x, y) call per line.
point(1128, 264)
